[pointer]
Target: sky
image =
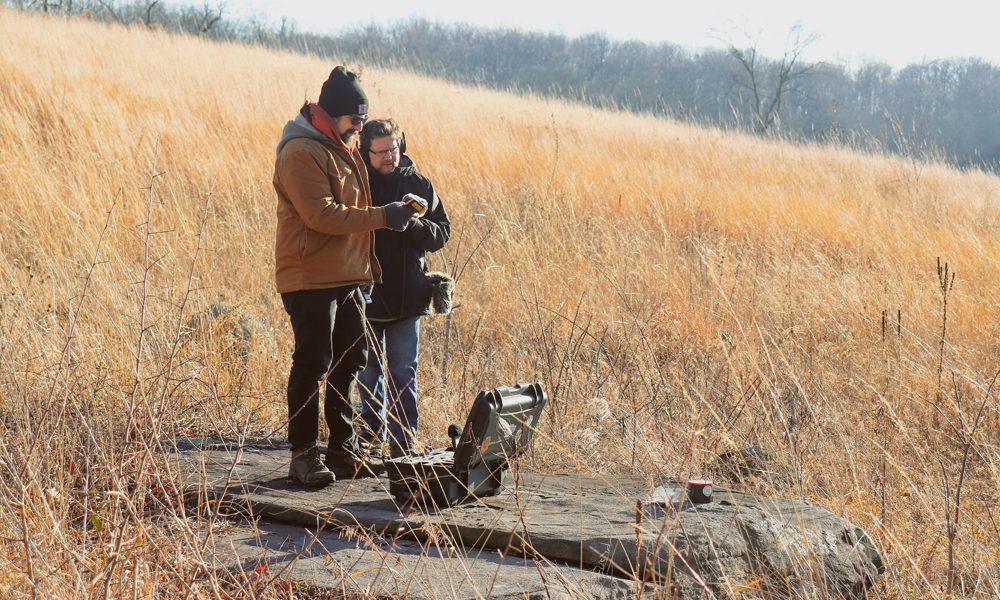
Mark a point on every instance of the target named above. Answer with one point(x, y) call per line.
point(850, 31)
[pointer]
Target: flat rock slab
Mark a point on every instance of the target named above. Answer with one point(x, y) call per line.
point(359, 565)
point(739, 543)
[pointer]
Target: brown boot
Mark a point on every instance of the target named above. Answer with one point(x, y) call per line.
point(350, 465)
point(402, 450)
point(371, 447)
point(306, 468)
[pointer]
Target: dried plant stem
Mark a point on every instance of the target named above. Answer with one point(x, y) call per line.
point(946, 281)
point(966, 439)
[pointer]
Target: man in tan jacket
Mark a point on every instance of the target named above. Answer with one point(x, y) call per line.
point(324, 253)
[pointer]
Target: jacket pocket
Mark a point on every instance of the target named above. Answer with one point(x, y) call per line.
point(303, 241)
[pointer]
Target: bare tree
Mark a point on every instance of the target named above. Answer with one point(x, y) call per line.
point(147, 8)
point(201, 20)
point(114, 11)
point(45, 6)
point(767, 83)
point(591, 51)
point(128, 13)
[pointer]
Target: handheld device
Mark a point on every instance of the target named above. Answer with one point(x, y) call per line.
point(418, 204)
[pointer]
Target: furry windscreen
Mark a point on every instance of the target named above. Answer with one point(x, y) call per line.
point(442, 291)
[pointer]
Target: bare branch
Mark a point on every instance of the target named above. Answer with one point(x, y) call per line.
point(769, 82)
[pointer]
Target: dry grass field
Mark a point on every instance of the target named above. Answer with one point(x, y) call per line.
point(680, 291)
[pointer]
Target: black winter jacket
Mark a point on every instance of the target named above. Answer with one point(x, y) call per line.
point(404, 291)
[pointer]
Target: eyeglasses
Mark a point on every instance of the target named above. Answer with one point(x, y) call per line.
point(358, 119)
point(394, 151)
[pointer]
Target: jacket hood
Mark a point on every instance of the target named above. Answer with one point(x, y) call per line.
point(300, 127)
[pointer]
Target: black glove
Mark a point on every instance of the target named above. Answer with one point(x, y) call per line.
point(398, 216)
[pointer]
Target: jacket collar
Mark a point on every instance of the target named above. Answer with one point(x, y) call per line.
point(314, 123)
point(322, 121)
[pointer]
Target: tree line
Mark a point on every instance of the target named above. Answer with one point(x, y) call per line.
point(941, 109)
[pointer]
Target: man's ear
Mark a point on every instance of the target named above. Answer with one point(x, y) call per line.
point(402, 142)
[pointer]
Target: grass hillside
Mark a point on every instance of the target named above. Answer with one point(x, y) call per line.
point(679, 291)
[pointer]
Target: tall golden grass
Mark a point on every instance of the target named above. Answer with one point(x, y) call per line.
point(681, 291)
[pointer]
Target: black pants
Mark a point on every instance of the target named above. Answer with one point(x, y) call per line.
point(330, 346)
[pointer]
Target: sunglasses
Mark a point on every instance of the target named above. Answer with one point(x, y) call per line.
point(358, 119)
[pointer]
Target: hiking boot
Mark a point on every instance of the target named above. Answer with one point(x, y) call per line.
point(401, 451)
point(348, 465)
point(371, 447)
point(306, 468)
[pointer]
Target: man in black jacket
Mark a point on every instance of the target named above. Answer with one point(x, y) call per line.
point(388, 385)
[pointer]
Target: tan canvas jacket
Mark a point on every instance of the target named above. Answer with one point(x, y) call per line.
point(325, 231)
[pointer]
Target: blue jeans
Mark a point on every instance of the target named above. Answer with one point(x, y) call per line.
point(392, 366)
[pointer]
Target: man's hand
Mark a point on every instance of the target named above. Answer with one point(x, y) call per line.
point(398, 216)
